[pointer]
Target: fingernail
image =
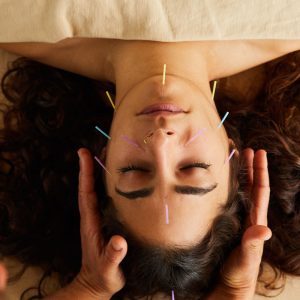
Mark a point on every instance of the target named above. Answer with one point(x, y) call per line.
point(116, 246)
point(268, 237)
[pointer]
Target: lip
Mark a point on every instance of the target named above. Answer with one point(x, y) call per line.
point(163, 113)
point(161, 108)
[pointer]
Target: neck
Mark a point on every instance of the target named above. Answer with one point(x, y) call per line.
point(137, 61)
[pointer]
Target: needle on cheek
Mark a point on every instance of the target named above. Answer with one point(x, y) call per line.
point(196, 135)
point(130, 141)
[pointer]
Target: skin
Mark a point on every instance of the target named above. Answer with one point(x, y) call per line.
point(137, 69)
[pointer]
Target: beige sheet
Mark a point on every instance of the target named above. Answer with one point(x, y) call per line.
point(161, 20)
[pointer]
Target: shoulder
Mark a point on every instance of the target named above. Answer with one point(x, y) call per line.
point(85, 56)
point(226, 58)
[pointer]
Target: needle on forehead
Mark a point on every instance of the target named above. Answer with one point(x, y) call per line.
point(173, 297)
point(167, 213)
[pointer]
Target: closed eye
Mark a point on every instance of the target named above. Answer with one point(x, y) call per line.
point(136, 168)
point(131, 168)
point(196, 165)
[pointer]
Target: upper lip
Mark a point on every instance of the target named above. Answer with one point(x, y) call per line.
point(161, 108)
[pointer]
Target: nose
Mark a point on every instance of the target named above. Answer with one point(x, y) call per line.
point(160, 143)
point(161, 136)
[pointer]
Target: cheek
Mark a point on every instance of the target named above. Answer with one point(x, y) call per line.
point(211, 147)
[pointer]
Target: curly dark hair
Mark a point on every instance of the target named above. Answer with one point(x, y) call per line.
point(53, 113)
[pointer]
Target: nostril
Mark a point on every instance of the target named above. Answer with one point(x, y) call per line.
point(170, 133)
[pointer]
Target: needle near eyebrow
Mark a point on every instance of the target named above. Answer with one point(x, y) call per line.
point(101, 164)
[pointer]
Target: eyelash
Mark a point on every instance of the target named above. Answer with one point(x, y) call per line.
point(130, 168)
point(135, 168)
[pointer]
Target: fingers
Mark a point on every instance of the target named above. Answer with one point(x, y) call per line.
point(87, 198)
point(260, 189)
point(86, 183)
point(240, 271)
point(3, 278)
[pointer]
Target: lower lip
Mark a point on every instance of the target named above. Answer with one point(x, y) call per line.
point(161, 108)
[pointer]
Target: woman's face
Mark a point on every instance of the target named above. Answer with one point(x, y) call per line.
point(192, 194)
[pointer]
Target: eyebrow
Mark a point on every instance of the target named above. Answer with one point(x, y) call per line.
point(184, 189)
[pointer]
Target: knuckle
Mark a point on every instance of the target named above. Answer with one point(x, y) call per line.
point(263, 186)
point(237, 283)
point(256, 247)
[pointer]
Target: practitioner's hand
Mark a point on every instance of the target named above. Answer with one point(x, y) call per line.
point(100, 272)
point(239, 274)
point(100, 276)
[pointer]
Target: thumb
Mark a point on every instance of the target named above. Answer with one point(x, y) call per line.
point(252, 245)
point(239, 273)
point(113, 254)
point(115, 250)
